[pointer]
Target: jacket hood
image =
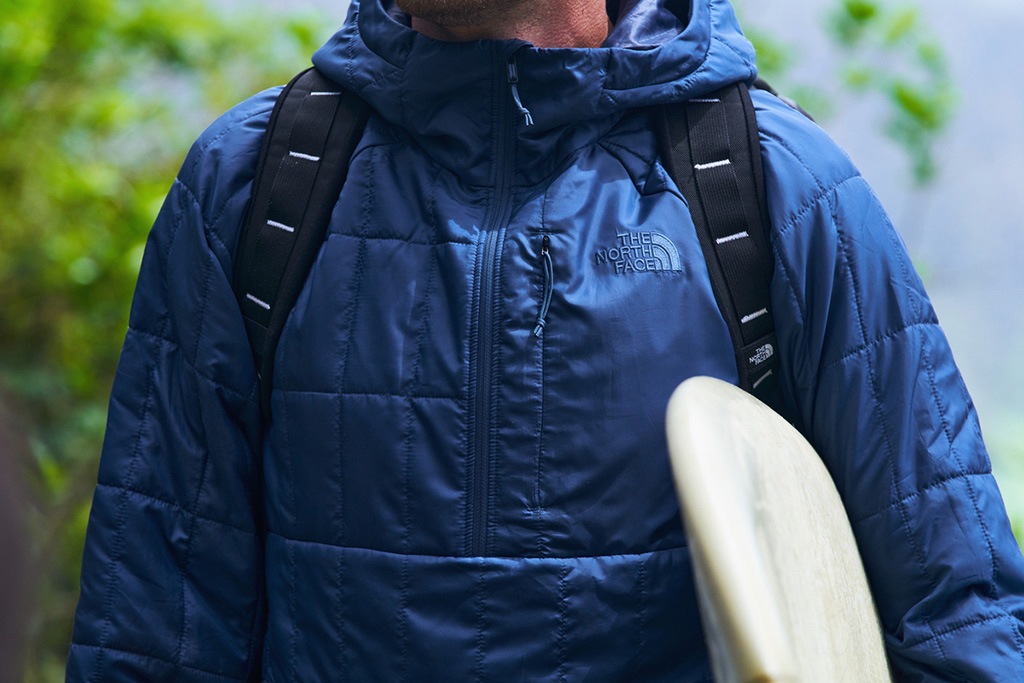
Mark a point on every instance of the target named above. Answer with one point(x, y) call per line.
point(450, 97)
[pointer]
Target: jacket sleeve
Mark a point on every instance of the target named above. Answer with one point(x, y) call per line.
point(873, 385)
point(172, 571)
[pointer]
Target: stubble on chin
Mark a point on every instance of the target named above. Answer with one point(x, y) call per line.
point(460, 13)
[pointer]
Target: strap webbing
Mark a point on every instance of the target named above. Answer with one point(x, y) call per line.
point(710, 148)
point(312, 133)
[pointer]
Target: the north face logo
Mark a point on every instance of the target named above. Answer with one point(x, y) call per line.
point(762, 355)
point(641, 252)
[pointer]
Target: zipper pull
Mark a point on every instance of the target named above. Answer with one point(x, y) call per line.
point(513, 79)
point(549, 284)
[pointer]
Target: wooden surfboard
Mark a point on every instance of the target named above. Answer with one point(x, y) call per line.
point(782, 589)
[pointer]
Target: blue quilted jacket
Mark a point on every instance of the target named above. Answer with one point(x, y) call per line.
point(441, 494)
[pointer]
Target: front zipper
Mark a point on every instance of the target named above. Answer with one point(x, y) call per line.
point(482, 404)
point(490, 273)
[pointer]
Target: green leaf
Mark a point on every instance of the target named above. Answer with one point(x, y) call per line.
point(931, 56)
point(924, 107)
point(901, 25)
point(861, 11)
point(858, 77)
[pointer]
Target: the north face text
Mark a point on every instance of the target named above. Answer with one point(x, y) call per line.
point(640, 252)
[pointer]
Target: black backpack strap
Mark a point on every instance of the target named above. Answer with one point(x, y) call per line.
point(312, 133)
point(710, 148)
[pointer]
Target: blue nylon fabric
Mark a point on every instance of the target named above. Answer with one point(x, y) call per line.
point(446, 499)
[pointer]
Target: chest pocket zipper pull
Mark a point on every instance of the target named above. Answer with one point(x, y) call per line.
point(549, 284)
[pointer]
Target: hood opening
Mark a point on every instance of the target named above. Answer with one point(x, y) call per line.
point(645, 24)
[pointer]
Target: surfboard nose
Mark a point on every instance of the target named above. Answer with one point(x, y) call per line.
point(781, 586)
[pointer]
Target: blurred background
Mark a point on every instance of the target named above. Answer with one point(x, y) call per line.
point(100, 99)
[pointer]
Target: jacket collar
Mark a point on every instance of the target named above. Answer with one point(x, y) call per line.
point(454, 99)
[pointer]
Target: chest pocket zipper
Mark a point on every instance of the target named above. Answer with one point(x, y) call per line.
point(549, 284)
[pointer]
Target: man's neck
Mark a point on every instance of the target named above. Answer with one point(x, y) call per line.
point(543, 23)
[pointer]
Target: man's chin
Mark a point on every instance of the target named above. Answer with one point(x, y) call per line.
point(460, 13)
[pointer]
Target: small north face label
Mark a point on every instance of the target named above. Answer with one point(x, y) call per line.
point(640, 252)
point(762, 355)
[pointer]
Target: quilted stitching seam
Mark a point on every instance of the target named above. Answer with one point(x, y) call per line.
point(941, 483)
point(609, 146)
point(173, 506)
point(293, 636)
point(879, 410)
point(339, 381)
point(790, 272)
point(208, 275)
point(203, 468)
point(119, 526)
point(189, 365)
point(960, 626)
point(288, 461)
point(200, 152)
point(782, 142)
point(947, 431)
point(366, 394)
point(861, 349)
point(993, 590)
point(563, 626)
point(204, 299)
point(292, 570)
point(147, 657)
point(479, 640)
point(641, 613)
point(797, 214)
point(122, 507)
point(341, 620)
point(407, 453)
point(897, 248)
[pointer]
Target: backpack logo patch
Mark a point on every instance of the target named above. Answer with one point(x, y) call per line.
point(640, 252)
point(762, 355)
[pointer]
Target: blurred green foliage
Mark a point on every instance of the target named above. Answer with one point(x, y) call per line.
point(891, 53)
point(99, 100)
point(887, 51)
